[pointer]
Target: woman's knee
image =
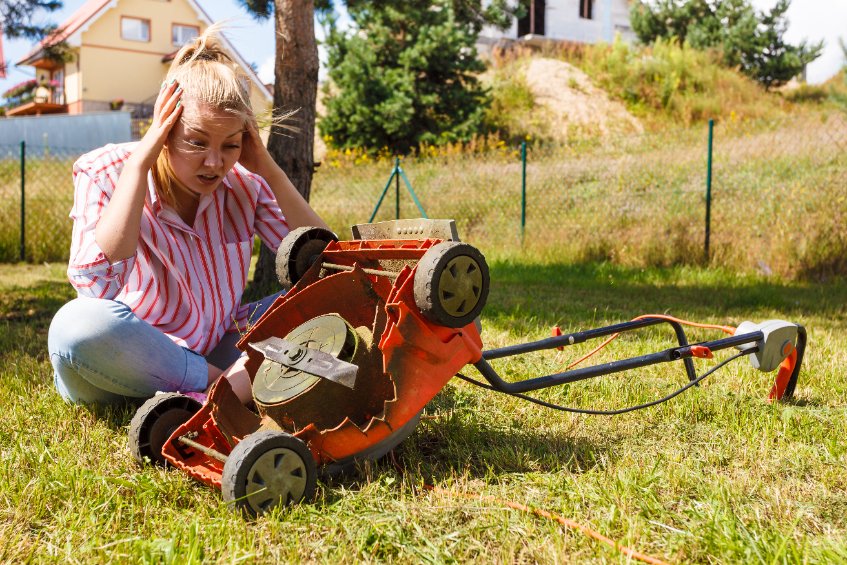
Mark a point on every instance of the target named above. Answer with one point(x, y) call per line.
point(81, 338)
point(86, 326)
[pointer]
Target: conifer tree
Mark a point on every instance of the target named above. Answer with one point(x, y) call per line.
point(751, 40)
point(18, 19)
point(405, 74)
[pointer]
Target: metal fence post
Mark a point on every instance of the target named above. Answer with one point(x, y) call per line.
point(523, 189)
point(709, 189)
point(397, 188)
point(23, 200)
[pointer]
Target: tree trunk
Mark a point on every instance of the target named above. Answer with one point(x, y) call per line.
point(295, 88)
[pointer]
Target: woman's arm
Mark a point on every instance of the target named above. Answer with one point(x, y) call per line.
point(255, 157)
point(119, 226)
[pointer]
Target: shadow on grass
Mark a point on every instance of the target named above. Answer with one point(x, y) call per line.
point(26, 313)
point(460, 443)
point(576, 294)
point(439, 452)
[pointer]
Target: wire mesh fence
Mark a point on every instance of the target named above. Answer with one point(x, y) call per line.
point(777, 196)
point(778, 201)
point(37, 193)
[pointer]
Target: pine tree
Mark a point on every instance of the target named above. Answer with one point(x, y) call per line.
point(405, 75)
point(18, 20)
point(751, 40)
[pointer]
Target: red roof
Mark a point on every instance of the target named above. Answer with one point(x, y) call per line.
point(92, 7)
point(69, 26)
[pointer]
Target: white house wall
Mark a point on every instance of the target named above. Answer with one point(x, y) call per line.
point(562, 21)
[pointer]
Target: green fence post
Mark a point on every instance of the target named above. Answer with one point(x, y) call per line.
point(23, 200)
point(709, 189)
point(382, 196)
point(523, 189)
point(412, 192)
point(397, 188)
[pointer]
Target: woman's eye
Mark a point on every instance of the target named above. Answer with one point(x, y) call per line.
point(195, 143)
point(233, 146)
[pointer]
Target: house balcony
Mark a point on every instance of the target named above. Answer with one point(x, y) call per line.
point(36, 101)
point(33, 108)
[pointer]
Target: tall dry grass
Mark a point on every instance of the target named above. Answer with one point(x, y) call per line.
point(778, 197)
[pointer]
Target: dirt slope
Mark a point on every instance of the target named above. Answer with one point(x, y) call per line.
point(569, 98)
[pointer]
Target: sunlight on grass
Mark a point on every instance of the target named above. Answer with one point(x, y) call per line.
point(716, 475)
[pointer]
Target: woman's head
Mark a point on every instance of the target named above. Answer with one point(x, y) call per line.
point(206, 141)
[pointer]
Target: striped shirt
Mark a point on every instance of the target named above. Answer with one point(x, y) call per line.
point(186, 281)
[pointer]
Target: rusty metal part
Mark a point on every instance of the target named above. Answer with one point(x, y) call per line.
point(376, 272)
point(277, 381)
point(186, 439)
point(312, 361)
point(355, 298)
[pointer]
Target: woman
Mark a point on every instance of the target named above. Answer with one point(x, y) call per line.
point(162, 237)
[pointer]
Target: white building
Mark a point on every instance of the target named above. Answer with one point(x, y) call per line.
point(580, 21)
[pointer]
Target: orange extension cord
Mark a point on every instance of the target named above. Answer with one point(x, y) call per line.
point(628, 551)
point(726, 329)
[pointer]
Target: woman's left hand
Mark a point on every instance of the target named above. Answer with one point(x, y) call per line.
point(254, 154)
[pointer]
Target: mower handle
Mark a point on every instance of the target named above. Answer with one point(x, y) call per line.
point(683, 352)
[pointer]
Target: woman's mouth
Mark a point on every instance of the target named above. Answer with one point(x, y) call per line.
point(208, 179)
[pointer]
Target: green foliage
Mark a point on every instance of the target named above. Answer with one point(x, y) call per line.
point(750, 40)
point(20, 18)
point(807, 93)
point(838, 89)
point(262, 9)
point(23, 19)
point(513, 112)
point(671, 81)
point(404, 75)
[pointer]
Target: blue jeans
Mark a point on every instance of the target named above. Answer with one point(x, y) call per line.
point(102, 353)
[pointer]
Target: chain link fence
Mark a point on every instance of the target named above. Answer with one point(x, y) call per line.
point(36, 190)
point(778, 196)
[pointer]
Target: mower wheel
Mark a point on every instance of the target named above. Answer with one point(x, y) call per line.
point(451, 283)
point(298, 251)
point(268, 469)
point(155, 421)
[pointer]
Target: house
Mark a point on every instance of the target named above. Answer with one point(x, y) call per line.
point(578, 21)
point(120, 50)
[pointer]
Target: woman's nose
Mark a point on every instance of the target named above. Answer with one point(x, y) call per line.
point(212, 159)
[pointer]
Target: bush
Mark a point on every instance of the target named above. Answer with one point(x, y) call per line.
point(675, 82)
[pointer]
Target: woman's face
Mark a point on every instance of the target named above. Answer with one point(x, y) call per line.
point(203, 146)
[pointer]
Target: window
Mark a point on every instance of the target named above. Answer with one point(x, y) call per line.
point(533, 20)
point(135, 29)
point(182, 34)
point(586, 9)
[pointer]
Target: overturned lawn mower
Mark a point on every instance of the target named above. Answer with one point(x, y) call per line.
point(369, 332)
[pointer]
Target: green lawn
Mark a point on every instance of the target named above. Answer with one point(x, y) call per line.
point(715, 475)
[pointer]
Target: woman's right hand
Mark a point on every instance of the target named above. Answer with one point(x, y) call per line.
point(119, 225)
point(166, 112)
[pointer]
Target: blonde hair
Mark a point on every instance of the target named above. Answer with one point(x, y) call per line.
point(208, 75)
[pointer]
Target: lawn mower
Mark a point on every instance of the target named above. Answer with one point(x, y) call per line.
point(369, 331)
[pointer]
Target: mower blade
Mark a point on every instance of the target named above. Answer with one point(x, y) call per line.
point(312, 361)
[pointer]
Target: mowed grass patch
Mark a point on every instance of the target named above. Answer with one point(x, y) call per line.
point(715, 475)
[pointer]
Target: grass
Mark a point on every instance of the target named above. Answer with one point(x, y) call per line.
point(716, 475)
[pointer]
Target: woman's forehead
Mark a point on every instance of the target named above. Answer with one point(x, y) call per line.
point(210, 120)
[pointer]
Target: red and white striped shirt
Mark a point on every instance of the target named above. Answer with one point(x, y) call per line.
point(187, 281)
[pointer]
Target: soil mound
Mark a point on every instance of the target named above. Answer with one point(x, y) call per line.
point(570, 99)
